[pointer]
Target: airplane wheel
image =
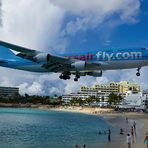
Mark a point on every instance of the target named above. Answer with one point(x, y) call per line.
point(64, 77)
point(68, 77)
point(77, 76)
point(137, 74)
point(75, 79)
point(61, 77)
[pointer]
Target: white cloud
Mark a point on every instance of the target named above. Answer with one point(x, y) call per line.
point(0, 13)
point(88, 14)
point(46, 23)
point(34, 24)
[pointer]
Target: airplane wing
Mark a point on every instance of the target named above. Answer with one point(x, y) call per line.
point(51, 62)
point(35, 55)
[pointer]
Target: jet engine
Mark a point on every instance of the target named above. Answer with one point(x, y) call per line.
point(79, 65)
point(95, 73)
point(42, 57)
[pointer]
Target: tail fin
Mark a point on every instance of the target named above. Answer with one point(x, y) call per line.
point(5, 52)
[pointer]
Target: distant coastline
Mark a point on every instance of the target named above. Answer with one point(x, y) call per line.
point(74, 109)
point(27, 105)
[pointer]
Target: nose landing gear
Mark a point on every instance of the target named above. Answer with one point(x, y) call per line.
point(138, 72)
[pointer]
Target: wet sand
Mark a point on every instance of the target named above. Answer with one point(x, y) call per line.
point(119, 120)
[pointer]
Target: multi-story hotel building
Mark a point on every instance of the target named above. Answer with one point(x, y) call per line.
point(115, 87)
point(103, 90)
point(125, 86)
point(9, 92)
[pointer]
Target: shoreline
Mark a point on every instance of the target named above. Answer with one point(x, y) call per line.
point(113, 118)
point(83, 110)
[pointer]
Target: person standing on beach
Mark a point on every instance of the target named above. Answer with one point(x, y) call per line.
point(134, 125)
point(109, 135)
point(146, 140)
point(84, 146)
point(76, 146)
point(128, 141)
point(132, 133)
point(126, 120)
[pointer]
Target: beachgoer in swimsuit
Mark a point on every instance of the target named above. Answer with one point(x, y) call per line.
point(128, 141)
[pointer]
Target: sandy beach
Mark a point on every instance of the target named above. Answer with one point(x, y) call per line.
point(84, 110)
point(143, 119)
point(117, 120)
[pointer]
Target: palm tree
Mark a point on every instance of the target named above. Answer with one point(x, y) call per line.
point(114, 98)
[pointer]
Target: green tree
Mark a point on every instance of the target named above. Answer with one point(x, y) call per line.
point(102, 98)
point(97, 99)
point(88, 100)
point(73, 101)
point(114, 98)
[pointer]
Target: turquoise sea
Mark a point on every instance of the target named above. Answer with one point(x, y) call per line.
point(32, 128)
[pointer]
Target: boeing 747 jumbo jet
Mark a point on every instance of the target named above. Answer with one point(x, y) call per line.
point(91, 63)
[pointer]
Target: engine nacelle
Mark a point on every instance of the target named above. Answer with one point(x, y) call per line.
point(79, 65)
point(42, 57)
point(95, 73)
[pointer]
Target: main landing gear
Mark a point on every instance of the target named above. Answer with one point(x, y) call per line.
point(138, 72)
point(66, 76)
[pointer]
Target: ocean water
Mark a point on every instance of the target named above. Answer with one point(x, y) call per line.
point(32, 128)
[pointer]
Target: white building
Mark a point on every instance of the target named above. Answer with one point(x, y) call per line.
point(135, 100)
point(102, 91)
point(84, 95)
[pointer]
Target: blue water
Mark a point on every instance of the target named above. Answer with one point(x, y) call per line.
point(29, 128)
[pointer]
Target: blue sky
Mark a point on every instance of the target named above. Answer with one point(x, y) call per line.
point(124, 35)
point(65, 26)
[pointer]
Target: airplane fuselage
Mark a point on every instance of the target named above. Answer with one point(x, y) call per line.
point(110, 58)
point(80, 64)
point(116, 58)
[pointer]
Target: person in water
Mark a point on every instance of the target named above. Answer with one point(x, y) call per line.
point(121, 131)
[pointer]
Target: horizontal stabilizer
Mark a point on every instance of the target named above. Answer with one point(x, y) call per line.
point(18, 48)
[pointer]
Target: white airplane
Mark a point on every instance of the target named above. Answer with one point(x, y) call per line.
point(91, 63)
